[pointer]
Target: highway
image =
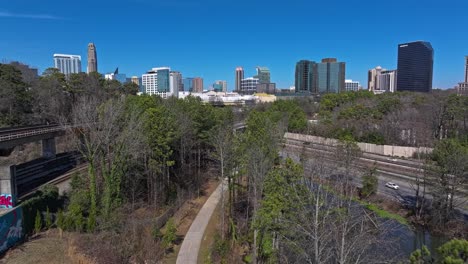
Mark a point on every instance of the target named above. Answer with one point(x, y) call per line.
point(389, 169)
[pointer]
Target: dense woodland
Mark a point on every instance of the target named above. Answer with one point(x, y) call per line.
point(146, 152)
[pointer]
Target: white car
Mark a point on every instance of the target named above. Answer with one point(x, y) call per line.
point(392, 185)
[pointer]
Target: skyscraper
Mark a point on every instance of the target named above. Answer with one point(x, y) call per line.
point(239, 77)
point(67, 64)
point(197, 85)
point(325, 77)
point(466, 69)
point(331, 76)
point(175, 82)
point(415, 65)
point(221, 86)
point(92, 58)
point(306, 76)
point(263, 75)
point(187, 84)
point(372, 78)
point(156, 81)
point(462, 88)
point(386, 81)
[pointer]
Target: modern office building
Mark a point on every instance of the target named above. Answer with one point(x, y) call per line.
point(415, 66)
point(268, 88)
point(121, 77)
point(462, 88)
point(220, 86)
point(187, 84)
point(92, 58)
point(351, 85)
point(67, 64)
point(239, 77)
point(318, 78)
point(249, 85)
point(156, 82)
point(263, 75)
point(331, 76)
point(197, 85)
point(306, 77)
point(175, 82)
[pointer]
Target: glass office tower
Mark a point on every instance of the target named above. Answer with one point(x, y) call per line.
point(415, 66)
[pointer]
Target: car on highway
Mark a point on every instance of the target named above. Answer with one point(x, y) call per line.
point(392, 185)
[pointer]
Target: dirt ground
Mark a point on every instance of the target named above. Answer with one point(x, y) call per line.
point(185, 216)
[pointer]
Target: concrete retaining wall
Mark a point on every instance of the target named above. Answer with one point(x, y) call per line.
point(386, 150)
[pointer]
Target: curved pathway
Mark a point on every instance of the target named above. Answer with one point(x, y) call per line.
point(188, 253)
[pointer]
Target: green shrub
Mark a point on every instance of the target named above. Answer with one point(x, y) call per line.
point(48, 219)
point(37, 222)
point(170, 235)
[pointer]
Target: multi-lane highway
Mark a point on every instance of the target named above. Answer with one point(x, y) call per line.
point(389, 169)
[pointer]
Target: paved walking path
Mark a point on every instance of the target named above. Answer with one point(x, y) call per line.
point(188, 253)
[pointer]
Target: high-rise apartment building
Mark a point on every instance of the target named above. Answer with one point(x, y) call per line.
point(415, 66)
point(220, 86)
point(372, 78)
point(381, 80)
point(92, 58)
point(263, 75)
point(386, 81)
point(351, 85)
point(239, 77)
point(175, 82)
point(462, 88)
point(249, 85)
point(156, 82)
point(67, 64)
point(136, 80)
point(197, 85)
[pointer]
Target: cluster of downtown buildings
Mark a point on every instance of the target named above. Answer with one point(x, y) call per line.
point(414, 73)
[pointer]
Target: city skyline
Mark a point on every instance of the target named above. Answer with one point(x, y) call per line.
point(200, 56)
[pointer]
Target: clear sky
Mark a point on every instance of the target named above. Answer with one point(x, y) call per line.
point(209, 38)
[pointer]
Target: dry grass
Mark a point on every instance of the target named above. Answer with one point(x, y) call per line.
point(45, 248)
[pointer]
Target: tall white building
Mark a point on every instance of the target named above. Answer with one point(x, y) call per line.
point(175, 82)
point(386, 82)
point(67, 64)
point(156, 82)
point(372, 78)
point(351, 85)
point(249, 85)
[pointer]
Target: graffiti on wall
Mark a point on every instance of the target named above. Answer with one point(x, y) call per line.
point(11, 229)
point(6, 201)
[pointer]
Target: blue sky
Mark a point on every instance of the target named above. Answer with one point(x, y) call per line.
point(210, 38)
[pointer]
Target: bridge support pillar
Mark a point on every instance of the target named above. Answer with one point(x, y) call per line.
point(7, 187)
point(48, 148)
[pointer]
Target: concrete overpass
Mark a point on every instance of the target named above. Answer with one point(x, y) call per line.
point(15, 136)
